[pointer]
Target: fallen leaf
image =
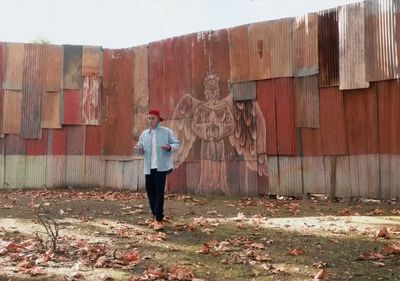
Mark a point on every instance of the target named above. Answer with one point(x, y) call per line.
point(296, 252)
point(181, 272)
point(383, 233)
point(322, 274)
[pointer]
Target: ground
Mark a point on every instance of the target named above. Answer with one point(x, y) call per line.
point(106, 235)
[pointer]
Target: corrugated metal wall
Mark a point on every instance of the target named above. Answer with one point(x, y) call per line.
point(298, 105)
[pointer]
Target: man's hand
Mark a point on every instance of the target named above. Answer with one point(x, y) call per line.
point(139, 149)
point(166, 147)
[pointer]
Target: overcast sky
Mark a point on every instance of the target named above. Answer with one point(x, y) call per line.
point(127, 23)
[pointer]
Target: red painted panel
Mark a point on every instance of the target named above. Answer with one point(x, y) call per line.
point(76, 140)
point(37, 146)
point(14, 145)
point(91, 100)
point(177, 180)
point(361, 113)
point(93, 140)
point(156, 74)
point(266, 101)
point(58, 143)
point(388, 116)
point(239, 53)
point(72, 107)
point(285, 117)
point(2, 65)
point(176, 74)
point(333, 126)
point(219, 59)
point(311, 142)
point(200, 62)
point(117, 137)
point(33, 84)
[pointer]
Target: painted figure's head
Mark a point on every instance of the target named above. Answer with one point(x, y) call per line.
point(211, 83)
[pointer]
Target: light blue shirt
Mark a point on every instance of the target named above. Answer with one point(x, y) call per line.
point(164, 136)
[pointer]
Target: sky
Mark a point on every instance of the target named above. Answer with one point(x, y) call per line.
point(128, 23)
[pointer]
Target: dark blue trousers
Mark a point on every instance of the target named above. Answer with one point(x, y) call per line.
point(155, 187)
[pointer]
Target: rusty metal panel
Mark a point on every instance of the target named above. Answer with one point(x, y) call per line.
point(76, 140)
point(14, 171)
point(285, 117)
point(333, 126)
point(192, 177)
point(273, 175)
point(394, 176)
point(118, 89)
point(35, 171)
point(316, 175)
point(239, 53)
point(384, 175)
point(53, 67)
point(14, 162)
point(2, 68)
point(140, 90)
point(343, 177)
point(352, 64)
point(14, 145)
point(91, 100)
point(93, 140)
point(92, 61)
point(200, 64)
point(75, 170)
point(388, 116)
point(72, 67)
point(55, 171)
point(328, 48)
point(57, 141)
point(131, 174)
point(2, 147)
point(364, 176)
point(114, 174)
point(266, 99)
point(170, 66)
point(12, 112)
point(311, 142)
point(95, 171)
point(14, 66)
point(244, 91)
point(33, 84)
point(305, 44)
point(241, 180)
point(72, 107)
point(380, 39)
point(233, 172)
point(361, 114)
point(262, 178)
point(270, 49)
point(176, 181)
point(37, 146)
point(51, 110)
point(306, 94)
point(156, 73)
point(56, 157)
point(290, 177)
point(219, 59)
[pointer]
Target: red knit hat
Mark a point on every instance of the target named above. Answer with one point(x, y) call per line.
point(156, 112)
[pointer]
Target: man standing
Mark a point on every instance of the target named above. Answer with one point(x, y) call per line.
point(157, 143)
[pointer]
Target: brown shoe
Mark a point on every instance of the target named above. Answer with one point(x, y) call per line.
point(158, 225)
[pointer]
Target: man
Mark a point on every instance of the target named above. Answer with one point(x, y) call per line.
point(157, 144)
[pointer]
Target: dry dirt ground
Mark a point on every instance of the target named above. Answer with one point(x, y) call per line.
point(106, 235)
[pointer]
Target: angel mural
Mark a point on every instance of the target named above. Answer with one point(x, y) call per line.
point(212, 121)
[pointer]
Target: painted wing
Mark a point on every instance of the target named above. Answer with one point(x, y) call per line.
point(249, 137)
point(181, 126)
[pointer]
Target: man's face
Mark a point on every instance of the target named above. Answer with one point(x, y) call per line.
point(153, 120)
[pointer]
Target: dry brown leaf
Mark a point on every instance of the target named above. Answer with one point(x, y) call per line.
point(383, 233)
point(296, 252)
point(181, 272)
point(322, 274)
